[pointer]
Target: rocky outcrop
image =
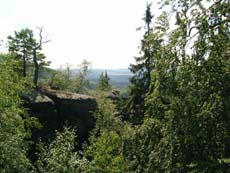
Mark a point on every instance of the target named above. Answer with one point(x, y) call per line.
point(55, 108)
point(114, 95)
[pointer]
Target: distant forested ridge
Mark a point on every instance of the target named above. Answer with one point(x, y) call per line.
point(119, 78)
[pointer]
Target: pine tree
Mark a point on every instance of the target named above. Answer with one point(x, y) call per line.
point(21, 46)
point(26, 49)
point(140, 81)
point(103, 82)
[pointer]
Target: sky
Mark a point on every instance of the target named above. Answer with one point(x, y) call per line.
point(100, 31)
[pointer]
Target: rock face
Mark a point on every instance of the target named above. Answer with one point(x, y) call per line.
point(54, 109)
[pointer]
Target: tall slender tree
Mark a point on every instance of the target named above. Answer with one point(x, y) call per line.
point(103, 82)
point(140, 81)
point(21, 45)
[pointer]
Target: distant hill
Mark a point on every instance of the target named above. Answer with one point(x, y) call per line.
point(119, 78)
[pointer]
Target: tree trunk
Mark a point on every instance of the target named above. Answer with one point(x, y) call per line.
point(36, 68)
point(24, 66)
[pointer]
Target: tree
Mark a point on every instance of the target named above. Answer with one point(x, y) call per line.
point(59, 80)
point(106, 154)
point(38, 58)
point(140, 81)
point(186, 93)
point(14, 120)
point(21, 45)
point(27, 48)
point(103, 82)
point(186, 106)
point(59, 155)
point(62, 78)
point(148, 16)
point(81, 83)
point(105, 149)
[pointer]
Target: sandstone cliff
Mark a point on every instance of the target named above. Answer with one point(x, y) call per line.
point(55, 108)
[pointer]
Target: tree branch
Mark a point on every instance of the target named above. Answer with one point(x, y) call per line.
point(41, 39)
point(210, 26)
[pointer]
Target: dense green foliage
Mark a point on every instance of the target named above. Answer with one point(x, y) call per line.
point(13, 120)
point(65, 79)
point(186, 126)
point(177, 114)
point(59, 155)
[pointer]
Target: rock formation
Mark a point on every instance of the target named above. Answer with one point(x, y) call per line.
point(55, 108)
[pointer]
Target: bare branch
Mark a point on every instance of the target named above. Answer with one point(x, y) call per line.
point(41, 41)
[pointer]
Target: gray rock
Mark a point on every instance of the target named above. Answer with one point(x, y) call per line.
point(55, 108)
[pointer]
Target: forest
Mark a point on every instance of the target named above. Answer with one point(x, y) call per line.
point(174, 117)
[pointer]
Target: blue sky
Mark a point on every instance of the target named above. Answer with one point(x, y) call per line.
point(101, 31)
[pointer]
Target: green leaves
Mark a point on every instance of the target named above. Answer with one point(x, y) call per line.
point(21, 45)
point(64, 79)
point(59, 155)
point(185, 93)
point(26, 50)
point(178, 102)
point(13, 144)
point(106, 153)
point(106, 147)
